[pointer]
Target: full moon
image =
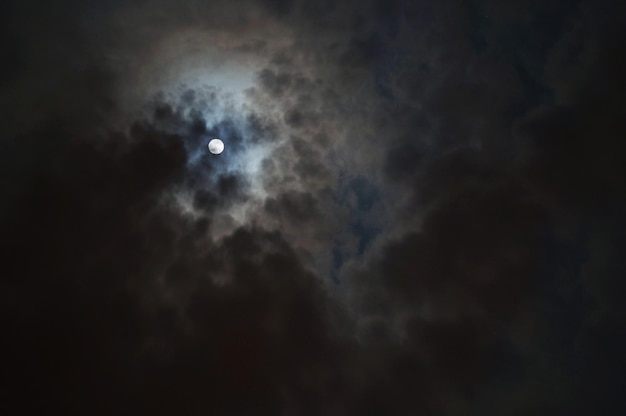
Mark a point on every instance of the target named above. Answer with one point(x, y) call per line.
point(216, 146)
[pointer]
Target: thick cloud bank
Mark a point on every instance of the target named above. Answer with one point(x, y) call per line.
point(418, 209)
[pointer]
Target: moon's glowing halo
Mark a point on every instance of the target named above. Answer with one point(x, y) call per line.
point(225, 74)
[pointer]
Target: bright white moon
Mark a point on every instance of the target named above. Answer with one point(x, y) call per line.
point(216, 146)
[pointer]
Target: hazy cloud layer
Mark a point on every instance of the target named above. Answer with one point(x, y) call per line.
point(418, 210)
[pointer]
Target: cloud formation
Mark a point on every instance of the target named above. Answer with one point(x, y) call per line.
point(418, 209)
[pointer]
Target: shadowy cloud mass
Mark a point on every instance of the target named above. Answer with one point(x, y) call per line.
point(418, 209)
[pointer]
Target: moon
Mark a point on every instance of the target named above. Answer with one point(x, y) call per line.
point(216, 146)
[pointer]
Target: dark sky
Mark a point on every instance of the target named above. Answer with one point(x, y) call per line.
point(419, 209)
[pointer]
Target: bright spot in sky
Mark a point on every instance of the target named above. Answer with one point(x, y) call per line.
point(216, 146)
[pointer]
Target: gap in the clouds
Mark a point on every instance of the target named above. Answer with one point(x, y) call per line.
point(360, 196)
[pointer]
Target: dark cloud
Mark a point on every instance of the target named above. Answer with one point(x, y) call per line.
point(295, 207)
point(109, 291)
point(275, 84)
point(419, 209)
point(261, 129)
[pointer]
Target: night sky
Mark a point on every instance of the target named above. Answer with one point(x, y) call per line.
point(419, 209)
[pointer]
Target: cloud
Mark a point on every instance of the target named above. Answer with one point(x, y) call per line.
point(120, 289)
point(418, 209)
